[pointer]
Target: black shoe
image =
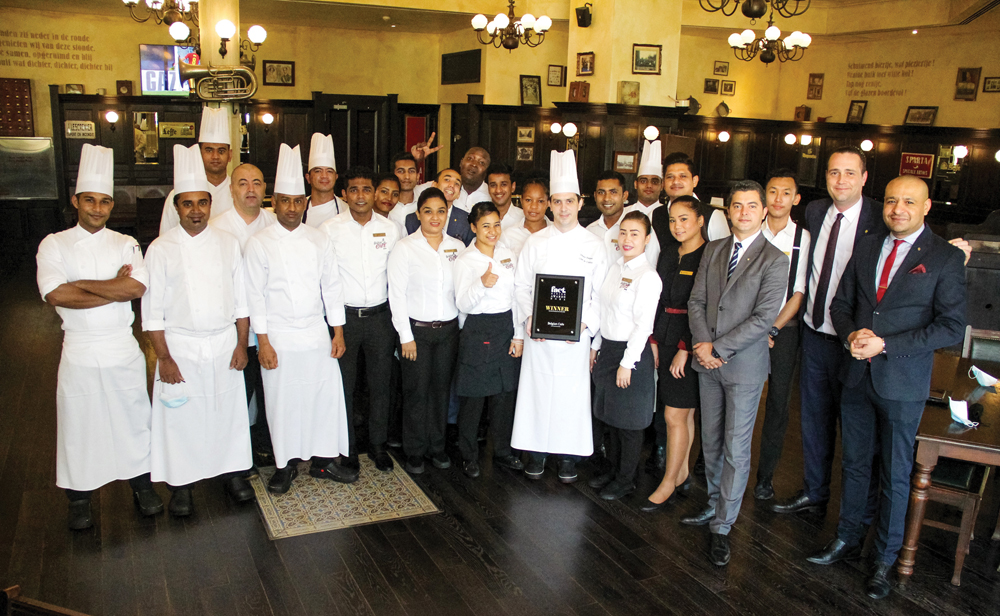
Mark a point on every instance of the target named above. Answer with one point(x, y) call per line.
point(601, 480)
point(685, 487)
point(718, 553)
point(414, 465)
point(657, 460)
point(878, 585)
point(470, 468)
point(180, 503)
point(616, 489)
point(351, 463)
point(334, 472)
point(763, 490)
point(701, 519)
point(836, 551)
point(801, 502)
point(649, 506)
point(567, 471)
point(509, 461)
point(383, 461)
point(239, 489)
point(148, 502)
point(282, 479)
point(535, 468)
point(440, 460)
point(79, 515)
point(252, 472)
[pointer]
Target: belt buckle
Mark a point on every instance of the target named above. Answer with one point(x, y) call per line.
point(363, 313)
point(436, 324)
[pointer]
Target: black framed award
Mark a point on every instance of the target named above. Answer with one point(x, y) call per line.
point(558, 307)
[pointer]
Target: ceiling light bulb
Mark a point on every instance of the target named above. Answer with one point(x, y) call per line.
point(501, 20)
point(997, 156)
point(805, 40)
point(913, 31)
point(569, 129)
point(225, 29)
point(491, 28)
point(961, 151)
point(790, 139)
point(735, 40)
point(528, 21)
point(179, 31)
point(256, 34)
point(748, 36)
point(651, 133)
point(806, 139)
point(773, 33)
point(111, 117)
point(479, 22)
point(543, 23)
point(867, 145)
point(267, 119)
point(155, 4)
point(724, 136)
point(131, 1)
point(796, 38)
point(556, 128)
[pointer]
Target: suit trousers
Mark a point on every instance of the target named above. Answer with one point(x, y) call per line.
point(427, 387)
point(728, 414)
point(873, 426)
point(820, 387)
point(501, 420)
point(375, 337)
point(623, 448)
point(784, 359)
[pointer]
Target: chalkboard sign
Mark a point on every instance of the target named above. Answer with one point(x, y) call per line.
point(461, 67)
point(29, 168)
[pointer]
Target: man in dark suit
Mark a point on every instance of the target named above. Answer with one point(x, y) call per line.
point(736, 297)
point(450, 183)
point(901, 298)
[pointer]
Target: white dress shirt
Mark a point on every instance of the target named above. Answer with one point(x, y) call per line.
point(845, 248)
point(628, 298)
point(222, 202)
point(316, 215)
point(472, 296)
point(513, 218)
point(901, 252)
point(638, 206)
point(610, 238)
point(744, 244)
point(515, 237)
point(231, 222)
point(784, 241)
point(363, 256)
point(399, 213)
point(422, 282)
point(466, 200)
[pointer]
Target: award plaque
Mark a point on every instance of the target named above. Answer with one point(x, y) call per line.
point(558, 307)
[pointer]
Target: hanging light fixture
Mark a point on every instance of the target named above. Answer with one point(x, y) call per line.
point(755, 9)
point(769, 47)
point(163, 11)
point(508, 31)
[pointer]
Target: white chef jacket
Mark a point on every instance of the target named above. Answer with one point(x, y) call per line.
point(515, 237)
point(222, 201)
point(784, 241)
point(845, 248)
point(363, 256)
point(629, 298)
point(638, 206)
point(472, 297)
point(232, 223)
point(421, 282)
point(609, 237)
point(316, 215)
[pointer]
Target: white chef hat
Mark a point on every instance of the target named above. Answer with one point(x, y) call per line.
point(321, 152)
point(189, 170)
point(214, 126)
point(562, 173)
point(651, 162)
point(97, 170)
point(289, 179)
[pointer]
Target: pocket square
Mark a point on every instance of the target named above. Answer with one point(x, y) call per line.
point(920, 269)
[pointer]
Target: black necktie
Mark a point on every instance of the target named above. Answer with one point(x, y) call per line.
point(819, 306)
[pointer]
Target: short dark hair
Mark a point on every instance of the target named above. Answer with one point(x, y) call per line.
point(540, 182)
point(612, 175)
point(851, 149)
point(691, 203)
point(431, 192)
point(387, 177)
point(438, 176)
point(680, 158)
point(177, 196)
point(499, 169)
point(399, 157)
point(783, 172)
point(637, 215)
point(746, 186)
point(357, 173)
point(480, 210)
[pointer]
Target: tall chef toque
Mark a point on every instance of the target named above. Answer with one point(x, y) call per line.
point(651, 162)
point(562, 173)
point(97, 171)
point(288, 179)
point(214, 126)
point(321, 152)
point(189, 170)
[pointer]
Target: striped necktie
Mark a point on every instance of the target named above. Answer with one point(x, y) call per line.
point(734, 260)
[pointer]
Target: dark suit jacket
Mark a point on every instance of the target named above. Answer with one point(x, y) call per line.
point(735, 316)
point(920, 312)
point(458, 226)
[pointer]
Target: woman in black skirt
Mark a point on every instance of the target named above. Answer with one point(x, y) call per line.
point(678, 383)
point(622, 358)
point(490, 345)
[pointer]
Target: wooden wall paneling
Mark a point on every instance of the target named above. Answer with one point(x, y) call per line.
point(591, 154)
point(883, 163)
point(980, 196)
point(737, 155)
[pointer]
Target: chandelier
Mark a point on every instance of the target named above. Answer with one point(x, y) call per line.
point(168, 11)
point(755, 9)
point(769, 47)
point(508, 31)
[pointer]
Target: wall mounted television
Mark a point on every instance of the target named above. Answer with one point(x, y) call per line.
point(159, 69)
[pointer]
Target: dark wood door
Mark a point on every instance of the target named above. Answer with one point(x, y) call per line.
point(359, 126)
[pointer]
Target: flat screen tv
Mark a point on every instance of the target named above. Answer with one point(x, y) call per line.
point(159, 70)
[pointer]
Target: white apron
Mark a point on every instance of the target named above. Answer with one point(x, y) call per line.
point(210, 434)
point(102, 410)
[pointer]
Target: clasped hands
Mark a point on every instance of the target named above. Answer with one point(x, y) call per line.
point(864, 344)
point(703, 353)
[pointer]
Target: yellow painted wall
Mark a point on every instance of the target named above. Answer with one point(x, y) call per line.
point(504, 69)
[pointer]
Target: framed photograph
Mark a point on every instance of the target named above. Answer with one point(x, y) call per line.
point(525, 153)
point(856, 112)
point(579, 92)
point(626, 162)
point(721, 68)
point(920, 116)
point(74, 88)
point(646, 59)
point(585, 63)
point(557, 75)
point(525, 134)
point(628, 92)
point(531, 90)
point(991, 84)
point(728, 88)
point(815, 91)
point(967, 84)
point(279, 73)
point(711, 86)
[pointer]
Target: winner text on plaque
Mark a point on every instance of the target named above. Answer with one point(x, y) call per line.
point(558, 307)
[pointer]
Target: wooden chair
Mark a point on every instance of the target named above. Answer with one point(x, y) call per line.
point(958, 484)
point(13, 604)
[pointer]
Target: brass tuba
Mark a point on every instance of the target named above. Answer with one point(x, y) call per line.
point(224, 83)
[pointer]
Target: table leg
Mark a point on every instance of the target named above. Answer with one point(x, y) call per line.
point(915, 515)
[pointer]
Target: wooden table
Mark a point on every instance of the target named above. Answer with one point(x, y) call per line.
point(939, 436)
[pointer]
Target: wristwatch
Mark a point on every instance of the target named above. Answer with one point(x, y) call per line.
point(715, 354)
point(774, 332)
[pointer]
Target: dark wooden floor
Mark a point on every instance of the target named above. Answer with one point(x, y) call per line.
point(502, 545)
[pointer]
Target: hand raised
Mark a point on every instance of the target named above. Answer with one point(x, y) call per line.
point(489, 278)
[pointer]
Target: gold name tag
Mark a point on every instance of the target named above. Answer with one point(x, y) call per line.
point(626, 280)
point(686, 273)
point(378, 234)
point(788, 253)
point(451, 250)
point(505, 261)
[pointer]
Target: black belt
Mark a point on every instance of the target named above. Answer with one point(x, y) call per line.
point(825, 336)
point(361, 313)
point(432, 324)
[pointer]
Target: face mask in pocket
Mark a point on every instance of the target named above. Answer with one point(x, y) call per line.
point(173, 395)
point(984, 379)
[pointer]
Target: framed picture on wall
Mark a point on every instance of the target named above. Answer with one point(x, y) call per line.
point(856, 112)
point(279, 73)
point(74, 88)
point(721, 68)
point(585, 63)
point(531, 90)
point(991, 84)
point(728, 88)
point(628, 92)
point(557, 75)
point(646, 59)
point(711, 86)
point(967, 84)
point(579, 92)
point(626, 162)
point(525, 153)
point(525, 134)
point(815, 91)
point(920, 116)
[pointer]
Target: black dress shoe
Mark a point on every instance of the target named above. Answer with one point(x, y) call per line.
point(801, 502)
point(836, 551)
point(657, 460)
point(616, 489)
point(701, 519)
point(567, 471)
point(718, 553)
point(598, 482)
point(470, 468)
point(350, 463)
point(334, 472)
point(239, 489)
point(148, 502)
point(181, 504)
point(509, 461)
point(282, 479)
point(535, 468)
point(79, 515)
point(414, 465)
point(649, 506)
point(383, 461)
point(763, 490)
point(440, 460)
point(878, 585)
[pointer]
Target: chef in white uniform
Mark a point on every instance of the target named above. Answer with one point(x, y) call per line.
point(501, 187)
point(292, 279)
point(553, 413)
point(534, 204)
point(648, 180)
point(196, 315)
point(610, 196)
point(215, 145)
point(322, 204)
point(91, 274)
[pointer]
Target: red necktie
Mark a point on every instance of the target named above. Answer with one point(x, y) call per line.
point(883, 282)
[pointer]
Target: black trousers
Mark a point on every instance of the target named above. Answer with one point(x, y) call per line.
point(622, 448)
point(426, 389)
point(142, 482)
point(375, 337)
point(501, 413)
point(784, 360)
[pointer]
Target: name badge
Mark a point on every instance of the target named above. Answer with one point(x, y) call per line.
point(450, 250)
point(451, 254)
point(686, 273)
point(625, 283)
point(378, 234)
point(505, 261)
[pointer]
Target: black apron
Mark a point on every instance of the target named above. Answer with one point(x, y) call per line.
point(485, 367)
point(627, 408)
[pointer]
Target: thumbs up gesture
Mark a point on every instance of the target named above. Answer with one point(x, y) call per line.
point(489, 278)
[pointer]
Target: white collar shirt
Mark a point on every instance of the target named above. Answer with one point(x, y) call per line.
point(901, 252)
point(363, 256)
point(744, 244)
point(515, 237)
point(629, 298)
point(231, 222)
point(638, 206)
point(473, 297)
point(422, 282)
point(466, 200)
point(513, 218)
point(845, 248)
point(784, 241)
point(222, 202)
point(610, 238)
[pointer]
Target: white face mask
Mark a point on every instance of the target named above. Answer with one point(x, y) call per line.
point(984, 379)
point(960, 413)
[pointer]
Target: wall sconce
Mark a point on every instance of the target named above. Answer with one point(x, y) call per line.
point(112, 117)
point(997, 156)
point(806, 139)
point(651, 133)
point(569, 129)
point(556, 128)
point(724, 136)
point(790, 139)
point(226, 30)
point(267, 119)
point(960, 151)
point(867, 145)
point(255, 36)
